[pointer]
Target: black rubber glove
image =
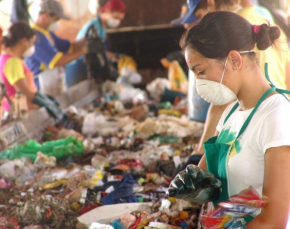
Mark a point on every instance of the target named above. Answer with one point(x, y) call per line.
point(53, 99)
point(195, 185)
point(50, 105)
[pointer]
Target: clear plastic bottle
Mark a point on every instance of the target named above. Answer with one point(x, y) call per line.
point(19, 106)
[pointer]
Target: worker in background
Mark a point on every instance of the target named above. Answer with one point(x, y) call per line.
point(265, 13)
point(109, 15)
point(183, 12)
point(18, 42)
point(52, 52)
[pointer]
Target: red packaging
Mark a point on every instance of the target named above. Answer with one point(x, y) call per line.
point(237, 207)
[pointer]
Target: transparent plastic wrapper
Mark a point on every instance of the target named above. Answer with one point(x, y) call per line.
point(13, 169)
point(238, 209)
point(19, 106)
point(97, 123)
point(129, 94)
point(43, 161)
point(156, 87)
point(98, 161)
point(127, 68)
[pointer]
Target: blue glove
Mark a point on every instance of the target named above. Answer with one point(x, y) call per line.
point(195, 185)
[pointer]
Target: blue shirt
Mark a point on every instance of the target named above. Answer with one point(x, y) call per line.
point(101, 34)
point(98, 24)
point(48, 50)
point(265, 13)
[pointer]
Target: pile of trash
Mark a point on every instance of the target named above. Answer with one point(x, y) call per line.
point(108, 166)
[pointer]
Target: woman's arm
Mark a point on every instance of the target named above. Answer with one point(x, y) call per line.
point(214, 114)
point(22, 87)
point(277, 189)
point(79, 44)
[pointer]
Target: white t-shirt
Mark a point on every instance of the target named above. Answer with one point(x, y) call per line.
point(269, 127)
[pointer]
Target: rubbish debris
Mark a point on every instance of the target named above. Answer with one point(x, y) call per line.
point(108, 166)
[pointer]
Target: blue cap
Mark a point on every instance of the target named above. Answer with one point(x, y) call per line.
point(178, 21)
point(189, 17)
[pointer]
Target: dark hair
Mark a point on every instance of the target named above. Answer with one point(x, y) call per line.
point(16, 32)
point(220, 32)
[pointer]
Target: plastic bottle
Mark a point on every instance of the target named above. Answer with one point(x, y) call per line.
point(19, 106)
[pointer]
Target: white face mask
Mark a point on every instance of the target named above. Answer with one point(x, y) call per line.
point(53, 26)
point(214, 92)
point(29, 52)
point(113, 23)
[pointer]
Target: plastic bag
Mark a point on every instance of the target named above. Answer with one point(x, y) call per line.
point(60, 149)
point(100, 226)
point(237, 208)
point(96, 60)
point(177, 78)
point(156, 87)
point(127, 68)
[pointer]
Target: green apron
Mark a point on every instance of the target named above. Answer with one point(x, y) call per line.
point(217, 153)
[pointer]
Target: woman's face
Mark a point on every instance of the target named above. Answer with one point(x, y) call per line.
point(31, 41)
point(28, 46)
point(216, 82)
point(202, 67)
point(27, 43)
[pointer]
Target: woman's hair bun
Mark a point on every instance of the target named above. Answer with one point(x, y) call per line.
point(267, 36)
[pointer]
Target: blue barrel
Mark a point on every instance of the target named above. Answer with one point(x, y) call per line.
point(197, 106)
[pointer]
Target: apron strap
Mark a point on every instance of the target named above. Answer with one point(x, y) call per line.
point(280, 91)
point(246, 123)
point(273, 88)
point(231, 112)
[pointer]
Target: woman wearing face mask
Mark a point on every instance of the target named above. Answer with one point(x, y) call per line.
point(16, 76)
point(252, 146)
point(51, 51)
point(109, 15)
point(277, 57)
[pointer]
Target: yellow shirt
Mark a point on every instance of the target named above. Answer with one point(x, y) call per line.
point(14, 70)
point(276, 56)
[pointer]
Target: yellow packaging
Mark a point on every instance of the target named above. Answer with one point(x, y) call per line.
point(54, 184)
point(177, 78)
point(97, 176)
point(169, 112)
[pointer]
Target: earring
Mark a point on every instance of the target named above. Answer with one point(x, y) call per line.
point(235, 67)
